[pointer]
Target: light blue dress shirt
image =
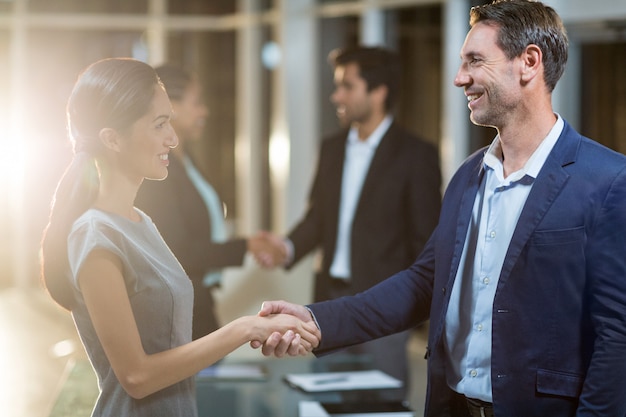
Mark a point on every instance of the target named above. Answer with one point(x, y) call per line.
point(497, 208)
point(359, 154)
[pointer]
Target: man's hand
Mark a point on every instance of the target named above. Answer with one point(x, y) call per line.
point(280, 344)
point(268, 249)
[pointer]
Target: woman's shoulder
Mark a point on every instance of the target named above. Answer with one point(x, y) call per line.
point(96, 225)
point(93, 227)
point(94, 216)
point(94, 219)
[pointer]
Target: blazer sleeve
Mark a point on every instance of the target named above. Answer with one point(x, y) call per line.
point(605, 382)
point(307, 234)
point(398, 303)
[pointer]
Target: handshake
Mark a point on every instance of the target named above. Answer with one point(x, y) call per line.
point(300, 339)
point(269, 250)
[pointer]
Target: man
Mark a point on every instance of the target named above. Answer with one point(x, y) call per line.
point(376, 194)
point(524, 279)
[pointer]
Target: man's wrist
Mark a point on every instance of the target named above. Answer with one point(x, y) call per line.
point(289, 250)
point(313, 317)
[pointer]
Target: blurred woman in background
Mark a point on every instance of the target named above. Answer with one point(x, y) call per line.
point(188, 211)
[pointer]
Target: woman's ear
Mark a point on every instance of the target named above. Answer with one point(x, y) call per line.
point(110, 139)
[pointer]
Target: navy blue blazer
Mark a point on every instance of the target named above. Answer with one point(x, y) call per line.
point(559, 313)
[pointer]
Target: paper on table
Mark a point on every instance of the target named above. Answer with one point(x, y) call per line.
point(234, 371)
point(311, 409)
point(342, 381)
point(316, 409)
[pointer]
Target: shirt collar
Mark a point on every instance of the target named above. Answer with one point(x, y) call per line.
point(493, 156)
point(374, 139)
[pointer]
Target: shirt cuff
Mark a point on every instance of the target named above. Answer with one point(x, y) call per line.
point(289, 250)
point(313, 317)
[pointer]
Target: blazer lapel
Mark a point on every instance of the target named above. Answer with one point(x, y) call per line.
point(465, 215)
point(547, 186)
point(383, 158)
point(336, 155)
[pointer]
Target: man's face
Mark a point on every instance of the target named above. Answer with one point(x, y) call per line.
point(353, 101)
point(491, 81)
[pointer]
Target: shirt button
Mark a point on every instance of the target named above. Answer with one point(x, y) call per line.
point(473, 373)
point(486, 280)
point(492, 234)
point(479, 327)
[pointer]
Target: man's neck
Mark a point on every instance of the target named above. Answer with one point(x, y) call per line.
point(365, 129)
point(519, 142)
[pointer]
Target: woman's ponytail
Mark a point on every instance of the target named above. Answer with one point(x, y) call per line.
point(75, 193)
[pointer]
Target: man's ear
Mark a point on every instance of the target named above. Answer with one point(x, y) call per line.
point(380, 93)
point(532, 60)
point(110, 139)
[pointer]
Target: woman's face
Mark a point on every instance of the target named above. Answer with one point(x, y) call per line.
point(190, 113)
point(145, 151)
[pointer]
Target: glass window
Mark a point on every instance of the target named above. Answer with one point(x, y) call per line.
point(263, 5)
point(88, 6)
point(5, 40)
point(419, 44)
point(336, 1)
point(267, 87)
point(603, 103)
point(6, 243)
point(211, 55)
point(213, 7)
point(52, 63)
point(55, 58)
point(334, 33)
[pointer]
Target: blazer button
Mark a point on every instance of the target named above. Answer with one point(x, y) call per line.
point(443, 290)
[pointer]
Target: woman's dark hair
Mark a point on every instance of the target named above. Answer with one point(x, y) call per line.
point(111, 93)
point(377, 66)
point(523, 22)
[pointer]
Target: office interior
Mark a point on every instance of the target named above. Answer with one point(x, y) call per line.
point(267, 82)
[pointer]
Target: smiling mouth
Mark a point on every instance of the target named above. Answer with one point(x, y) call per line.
point(473, 97)
point(164, 157)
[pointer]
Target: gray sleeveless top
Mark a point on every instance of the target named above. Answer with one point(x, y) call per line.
point(161, 296)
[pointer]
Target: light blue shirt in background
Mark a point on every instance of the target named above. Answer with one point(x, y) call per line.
point(497, 208)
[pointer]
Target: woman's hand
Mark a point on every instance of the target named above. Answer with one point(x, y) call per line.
point(300, 336)
point(289, 342)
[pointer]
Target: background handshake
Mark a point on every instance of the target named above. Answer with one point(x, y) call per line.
point(269, 250)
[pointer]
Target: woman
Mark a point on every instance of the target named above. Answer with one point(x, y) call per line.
point(187, 210)
point(105, 261)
